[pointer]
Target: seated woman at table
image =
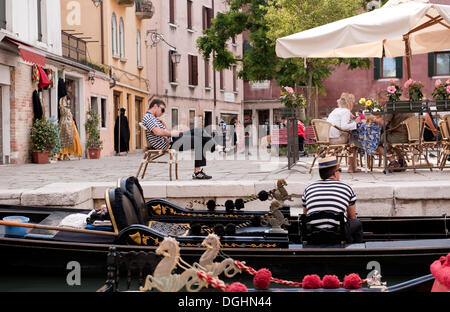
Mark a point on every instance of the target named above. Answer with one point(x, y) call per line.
point(342, 117)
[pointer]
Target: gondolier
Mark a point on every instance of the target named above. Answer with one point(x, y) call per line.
point(330, 194)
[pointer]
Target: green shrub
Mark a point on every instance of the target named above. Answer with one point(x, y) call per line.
point(92, 131)
point(44, 135)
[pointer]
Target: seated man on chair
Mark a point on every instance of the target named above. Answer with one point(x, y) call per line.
point(195, 139)
point(330, 194)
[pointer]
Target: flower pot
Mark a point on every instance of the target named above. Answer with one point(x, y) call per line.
point(94, 153)
point(404, 106)
point(443, 105)
point(40, 157)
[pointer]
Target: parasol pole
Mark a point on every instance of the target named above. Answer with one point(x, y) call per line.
point(408, 54)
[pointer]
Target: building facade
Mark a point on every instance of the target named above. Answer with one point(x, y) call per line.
point(195, 94)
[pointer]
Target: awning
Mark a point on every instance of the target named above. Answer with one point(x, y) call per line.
point(28, 53)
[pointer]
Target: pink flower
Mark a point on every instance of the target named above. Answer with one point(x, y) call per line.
point(448, 89)
point(391, 89)
point(408, 83)
point(437, 83)
point(289, 89)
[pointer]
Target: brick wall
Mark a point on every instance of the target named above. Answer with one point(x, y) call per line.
point(21, 113)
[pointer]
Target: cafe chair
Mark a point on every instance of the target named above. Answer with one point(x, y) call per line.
point(445, 143)
point(414, 147)
point(152, 156)
point(324, 147)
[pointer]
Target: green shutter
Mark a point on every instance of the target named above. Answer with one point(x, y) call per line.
point(399, 67)
point(376, 68)
point(431, 69)
point(2, 14)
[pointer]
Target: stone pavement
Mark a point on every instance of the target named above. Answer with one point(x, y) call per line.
point(82, 183)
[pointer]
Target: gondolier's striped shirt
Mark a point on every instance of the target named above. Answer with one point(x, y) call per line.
point(156, 142)
point(327, 195)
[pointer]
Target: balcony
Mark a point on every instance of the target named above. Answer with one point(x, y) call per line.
point(144, 9)
point(127, 3)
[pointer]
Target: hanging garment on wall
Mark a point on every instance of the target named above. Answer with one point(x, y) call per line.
point(124, 133)
point(37, 106)
point(44, 82)
point(35, 73)
point(65, 124)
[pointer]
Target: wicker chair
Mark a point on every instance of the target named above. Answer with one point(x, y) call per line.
point(445, 142)
point(324, 148)
point(152, 156)
point(414, 147)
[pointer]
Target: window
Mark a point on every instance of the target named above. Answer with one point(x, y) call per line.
point(94, 104)
point(191, 118)
point(207, 15)
point(172, 68)
point(138, 48)
point(439, 64)
point(39, 19)
point(3, 14)
point(122, 38)
point(172, 11)
point(207, 73)
point(174, 118)
point(114, 35)
point(189, 14)
point(103, 112)
point(388, 67)
point(193, 70)
point(221, 81)
point(234, 79)
point(233, 40)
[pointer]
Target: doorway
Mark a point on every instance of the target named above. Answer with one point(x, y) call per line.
point(263, 123)
point(137, 119)
point(72, 95)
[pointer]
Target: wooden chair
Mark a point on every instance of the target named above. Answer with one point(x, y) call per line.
point(445, 142)
point(152, 156)
point(325, 148)
point(414, 147)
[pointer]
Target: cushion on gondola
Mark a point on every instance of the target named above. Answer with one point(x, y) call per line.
point(133, 189)
point(335, 234)
point(122, 208)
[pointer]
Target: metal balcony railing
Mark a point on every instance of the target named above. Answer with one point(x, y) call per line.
point(73, 47)
point(144, 9)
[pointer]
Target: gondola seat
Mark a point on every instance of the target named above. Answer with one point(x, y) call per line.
point(311, 235)
point(133, 189)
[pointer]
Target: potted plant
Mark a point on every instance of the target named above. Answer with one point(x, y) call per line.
point(93, 144)
point(441, 94)
point(44, 136)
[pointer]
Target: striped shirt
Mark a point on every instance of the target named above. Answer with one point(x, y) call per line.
point(156, 142)
point(327, 195)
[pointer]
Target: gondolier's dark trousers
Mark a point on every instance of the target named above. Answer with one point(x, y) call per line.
point(195, 139)
point(353, 231)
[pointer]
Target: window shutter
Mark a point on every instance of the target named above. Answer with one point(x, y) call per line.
point(206, 73)
point(190, 69)
point(399, 67)
point(189, 14)
point(194, 70)
point(171, 78)
point(431, 64)
point(376, 68)
point(3, 14)
point(172, 11)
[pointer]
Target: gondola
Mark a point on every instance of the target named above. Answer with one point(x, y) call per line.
point(398, 246)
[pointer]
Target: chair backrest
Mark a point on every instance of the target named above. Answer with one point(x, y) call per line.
point(415, 126)
point(447, 121)
point(445, 132)
point(318, 236)
point(120, 208)
point(131, 266)
point(149, 147)
point(133, 188)
point(321, 130)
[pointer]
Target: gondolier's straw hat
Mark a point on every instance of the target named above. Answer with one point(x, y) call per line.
point(327, 162)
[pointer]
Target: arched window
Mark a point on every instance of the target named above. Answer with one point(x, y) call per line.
point(114, 34)
point(138, 48)
point(122, 39)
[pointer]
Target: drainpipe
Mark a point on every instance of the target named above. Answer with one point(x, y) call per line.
point(102, 39)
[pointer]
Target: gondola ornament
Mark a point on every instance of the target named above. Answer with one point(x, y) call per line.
point(375, 281)
point(275, 218)
point(163, 279)
point(206, 262)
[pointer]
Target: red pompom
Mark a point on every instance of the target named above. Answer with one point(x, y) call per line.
point(311, 281)
point(352, 281)
point(237, 287)
point(331, 282)
point(262, 279)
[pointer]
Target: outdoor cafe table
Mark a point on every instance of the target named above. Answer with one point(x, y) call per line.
point(368, 133)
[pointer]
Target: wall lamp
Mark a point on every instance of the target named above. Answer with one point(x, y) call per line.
point(156, 38)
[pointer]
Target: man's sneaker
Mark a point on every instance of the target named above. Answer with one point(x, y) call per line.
point(201, 175)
